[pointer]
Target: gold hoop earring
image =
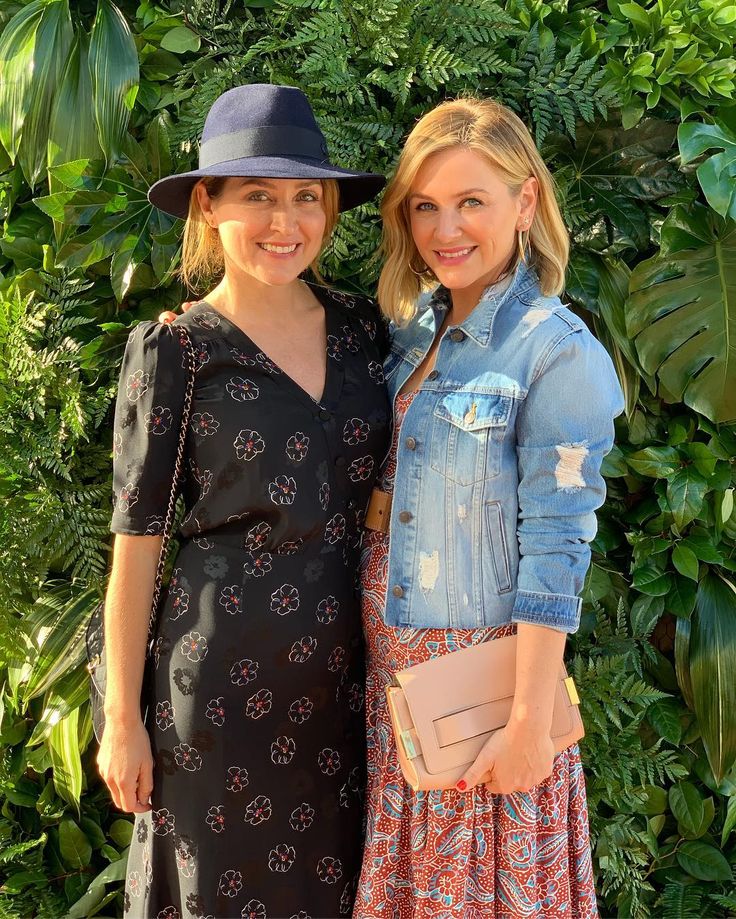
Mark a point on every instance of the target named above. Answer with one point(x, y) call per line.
point(424, 272)
point(521, 246)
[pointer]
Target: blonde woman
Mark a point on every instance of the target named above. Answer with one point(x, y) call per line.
point(246, 779)
point(503, 410)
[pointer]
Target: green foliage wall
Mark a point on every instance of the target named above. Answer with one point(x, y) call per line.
point(632, 106)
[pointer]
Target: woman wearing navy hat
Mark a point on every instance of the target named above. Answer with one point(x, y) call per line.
point(246, 780)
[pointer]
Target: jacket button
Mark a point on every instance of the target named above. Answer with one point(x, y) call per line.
point(397, 591)
point(433, 374)
point(411, 443)
point(405, 516)
point(457, 335)
point(324, 415)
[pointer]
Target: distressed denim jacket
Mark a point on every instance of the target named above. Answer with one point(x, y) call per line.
point(498, 467)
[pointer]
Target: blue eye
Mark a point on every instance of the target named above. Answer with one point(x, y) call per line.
point(472, 202)
point(424, 206)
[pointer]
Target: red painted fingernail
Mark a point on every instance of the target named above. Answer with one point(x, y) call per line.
point(462, 785)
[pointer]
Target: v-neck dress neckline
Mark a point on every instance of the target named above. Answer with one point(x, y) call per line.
point(334, 375)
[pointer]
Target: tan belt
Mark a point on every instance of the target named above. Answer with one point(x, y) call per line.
point(378, 514)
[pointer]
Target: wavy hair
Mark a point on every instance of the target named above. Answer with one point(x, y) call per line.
point(498, 135)
point(202, 261)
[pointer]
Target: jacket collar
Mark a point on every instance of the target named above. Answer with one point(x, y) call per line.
point(479, 324)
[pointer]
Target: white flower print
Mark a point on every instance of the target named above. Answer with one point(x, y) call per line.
point(328, 761)
point(188, 757)
point(204, 424)
point(302, 914)
point(240, 357)
point(370, 328)
point(334, 347)
point(216, 711)
point(283, 489)
point(336, 659)
point(134, 883)
point(266, 363)
point(137, 385)
point(259, 704)
point(355, 431)
point(258, 811)
point(328, 609)
point(216, 566)
point(165, 715)
point(163, 822)
point(329, 870)
point(237, 778)
point(303, 649)
point(170, 912)
point(360, 469)
point(301, 817)
point(207, 320)
point(179, 603)
point(343, 298)
point(355, 697)
point(243, 672)
point(350, 339)
point(186, 680)
point(248, 444)
point(257, 535)
point(216, 818)
point(290, 546)
point(300, 710)
point(185, 852)
point(204, 479)
point(194, 646)
point(154, 525)
point(256, 566)
point(201, 542)
point(201, 355)
point(281, 858)
point(335, 529)
point(282, 750)
point(158, 420)
point(285, 600)
point(253, 909)
point(242, 390)
point(375, 371)
point(117, 445)
point(231, 883)
point(128, 497)
point(232, 599)
point(324, 495)
point(297, 446)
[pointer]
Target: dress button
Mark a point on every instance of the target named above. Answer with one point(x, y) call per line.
point(324, 415)
point(457, 335)
point(411, 443)
point(340, 461)
point(433, 374)
point(397, 591)
point(405, 516)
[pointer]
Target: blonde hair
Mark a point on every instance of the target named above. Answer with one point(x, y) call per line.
point(497, 134)
point(202, 259)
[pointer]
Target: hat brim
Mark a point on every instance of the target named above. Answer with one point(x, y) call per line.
point(171, 194)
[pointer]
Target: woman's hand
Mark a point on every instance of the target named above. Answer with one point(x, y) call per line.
point(518, 757)
point(126, 765)
point(168, 316)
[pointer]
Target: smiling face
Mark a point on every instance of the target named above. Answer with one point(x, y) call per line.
point(270, 229)
point(464, 219)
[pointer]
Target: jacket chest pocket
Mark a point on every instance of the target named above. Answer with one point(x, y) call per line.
point(467, 435)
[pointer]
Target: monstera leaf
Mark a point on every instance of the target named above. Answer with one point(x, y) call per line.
point(716, 174)
point(681, 311)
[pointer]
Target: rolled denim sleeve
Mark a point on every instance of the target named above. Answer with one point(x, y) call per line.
point(564, 429)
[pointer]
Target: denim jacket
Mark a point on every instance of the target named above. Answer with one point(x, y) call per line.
point(498, 466)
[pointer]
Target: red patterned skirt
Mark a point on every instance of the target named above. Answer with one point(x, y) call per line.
point(453, 855)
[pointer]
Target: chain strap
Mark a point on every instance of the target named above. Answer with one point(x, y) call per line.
point(188, 348)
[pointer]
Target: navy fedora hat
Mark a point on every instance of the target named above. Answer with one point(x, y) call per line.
point(263, 131)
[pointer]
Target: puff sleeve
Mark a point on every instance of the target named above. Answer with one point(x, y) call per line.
point(148, 414)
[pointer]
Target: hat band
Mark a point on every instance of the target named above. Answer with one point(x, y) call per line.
point(270, 140)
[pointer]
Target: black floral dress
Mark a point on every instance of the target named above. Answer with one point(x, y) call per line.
point(256, 710)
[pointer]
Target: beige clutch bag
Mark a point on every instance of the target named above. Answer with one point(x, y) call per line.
point(445, 709)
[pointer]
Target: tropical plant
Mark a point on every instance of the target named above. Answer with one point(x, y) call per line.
point(631, 103)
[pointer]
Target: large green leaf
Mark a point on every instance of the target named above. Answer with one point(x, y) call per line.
point(113, 64)
point(682, 311)
point(72, 131)
point(712, 665)
point(35, 54)
point(703, 861)
point(717, 174)
point(65, 758)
